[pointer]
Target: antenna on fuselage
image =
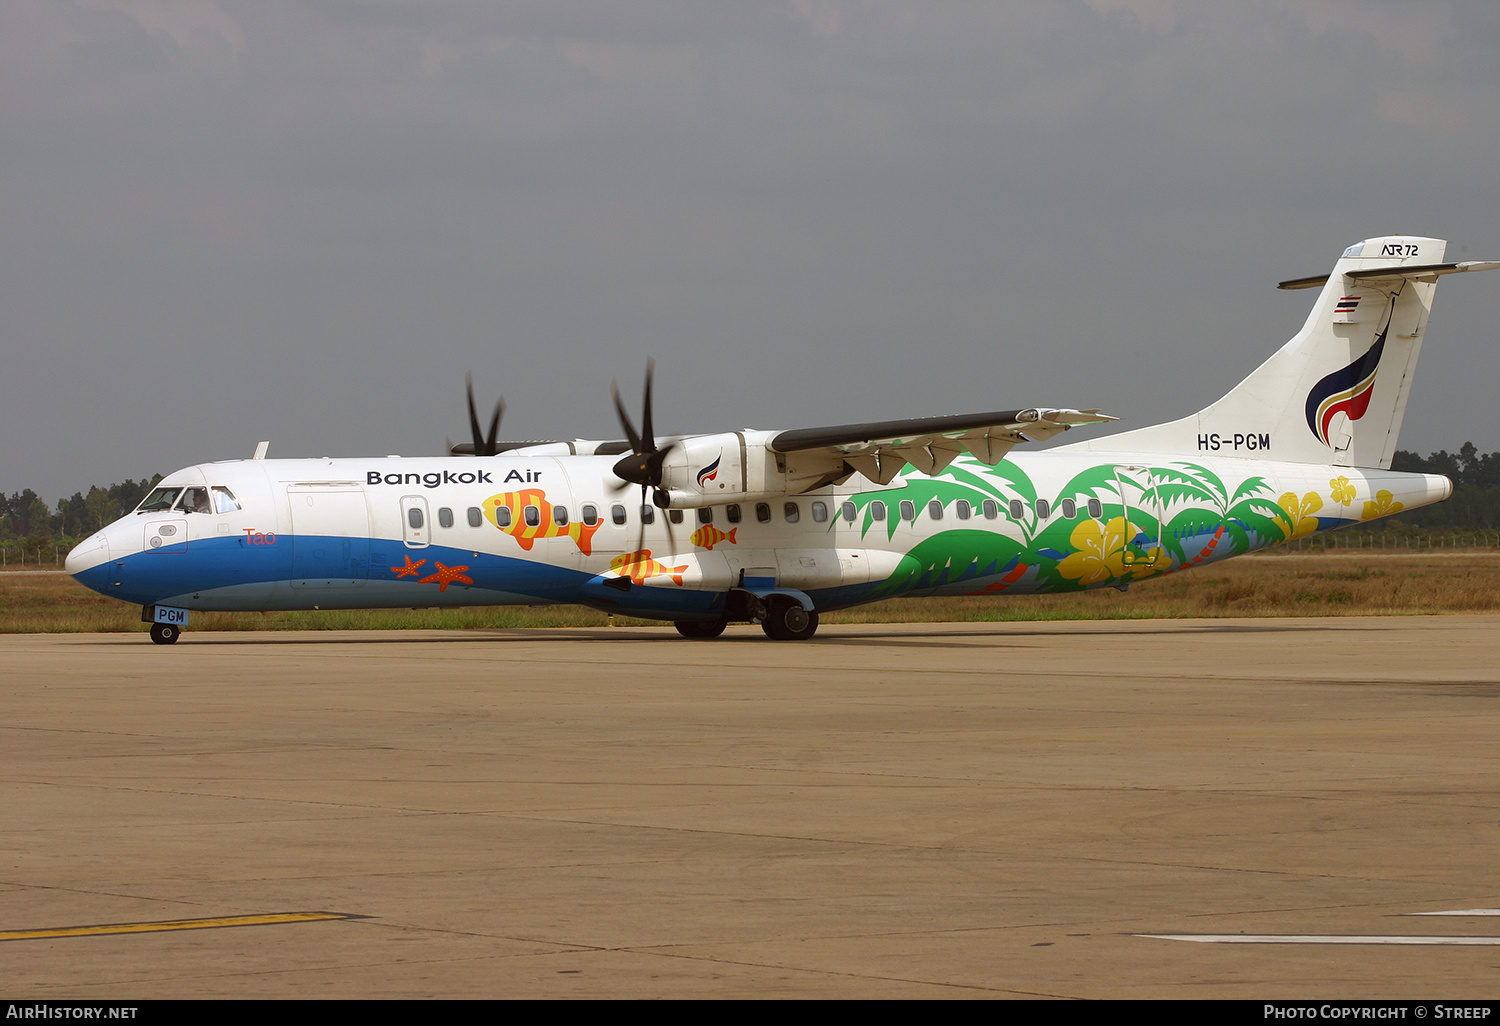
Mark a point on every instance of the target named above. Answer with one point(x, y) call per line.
point(260, 449)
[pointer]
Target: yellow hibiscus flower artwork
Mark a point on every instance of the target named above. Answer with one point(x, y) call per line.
point(1099, 553)
point(1383, 505)
point(1343, 491)
point(1299, 519)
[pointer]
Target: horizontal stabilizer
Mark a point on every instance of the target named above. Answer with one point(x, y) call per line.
point(1417, 272)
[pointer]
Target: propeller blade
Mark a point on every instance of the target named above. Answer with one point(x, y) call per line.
point(647, 435)
point(671, 535)
point(623, 581)
point(643, 466)
point(640, 538)
point(494, 435)
point(484, 445)
point(631, 436)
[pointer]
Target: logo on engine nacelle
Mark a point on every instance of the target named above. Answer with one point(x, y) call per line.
point(711, 471)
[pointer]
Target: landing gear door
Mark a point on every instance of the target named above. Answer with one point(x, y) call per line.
point(1143, 513)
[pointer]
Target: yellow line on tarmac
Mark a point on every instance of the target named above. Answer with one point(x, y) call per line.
point(173, 924)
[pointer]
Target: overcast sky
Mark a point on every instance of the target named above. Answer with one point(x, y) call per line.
point(230, 221)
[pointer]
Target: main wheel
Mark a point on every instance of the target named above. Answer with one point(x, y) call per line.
point(165, 633)
point(787, 620)
point(699, 628)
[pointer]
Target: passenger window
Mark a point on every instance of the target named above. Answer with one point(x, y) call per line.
point(560, 516)
point(224, 500)
point(617, 514)
point(1096, 509)
point(590, 515)
point(1017, 509)
point(1043, 509)
point(820, 511)
point(1070, 509)
point(792, 512)
point(763, 512)
point(445, 517)
point(476, 517)
point(533, 516)
point(961, 509)
point(908, 510)
point(877, 510)
point(706, 515)
point(850, 511)
point(648, 514)
point(674, 515)
point(414, 517)
point(991, 509)
point(502, 516)
point(732, 513)
point(935, 509)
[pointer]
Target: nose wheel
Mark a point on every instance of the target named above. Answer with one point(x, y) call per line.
point(165, 633)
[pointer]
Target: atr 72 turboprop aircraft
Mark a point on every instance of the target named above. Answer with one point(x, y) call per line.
point(777, 527)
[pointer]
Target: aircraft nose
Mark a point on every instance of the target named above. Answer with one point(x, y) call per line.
point(90, 552)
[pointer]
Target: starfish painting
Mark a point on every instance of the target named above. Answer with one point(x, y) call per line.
point(410, 569)
point(446, 575)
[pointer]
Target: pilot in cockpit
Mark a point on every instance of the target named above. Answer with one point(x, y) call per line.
point(194, 500)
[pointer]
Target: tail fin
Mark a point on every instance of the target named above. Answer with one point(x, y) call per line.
point(1336, 393)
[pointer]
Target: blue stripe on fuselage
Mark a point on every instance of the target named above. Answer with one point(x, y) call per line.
point(249, 574)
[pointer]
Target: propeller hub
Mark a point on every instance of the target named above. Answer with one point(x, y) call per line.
point(634, 468)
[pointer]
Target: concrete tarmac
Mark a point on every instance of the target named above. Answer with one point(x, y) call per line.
point(957, 810)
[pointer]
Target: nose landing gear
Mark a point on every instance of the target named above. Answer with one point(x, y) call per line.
point(165, 633)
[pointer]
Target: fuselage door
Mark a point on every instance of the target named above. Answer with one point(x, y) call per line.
point(1143, 512)
point(415, 530)
point(330, 537)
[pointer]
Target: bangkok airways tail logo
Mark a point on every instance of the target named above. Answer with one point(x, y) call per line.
point(709, 472)
point(1346, 390)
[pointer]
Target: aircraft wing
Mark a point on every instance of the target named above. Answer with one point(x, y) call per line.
point(879, 450)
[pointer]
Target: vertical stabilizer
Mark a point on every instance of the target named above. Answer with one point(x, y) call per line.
point(1336, 393)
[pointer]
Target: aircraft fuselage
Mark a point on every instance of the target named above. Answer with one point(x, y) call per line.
point(519, 529)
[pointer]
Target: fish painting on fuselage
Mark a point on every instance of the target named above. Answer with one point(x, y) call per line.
point(778, 527)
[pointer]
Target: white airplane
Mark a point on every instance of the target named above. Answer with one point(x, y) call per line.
point(778, 527)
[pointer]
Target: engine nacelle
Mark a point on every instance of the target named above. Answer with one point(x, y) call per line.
point(735, 466)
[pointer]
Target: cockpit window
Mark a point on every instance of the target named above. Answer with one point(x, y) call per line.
point(160, 499)
point(194, 500)
point(224, 500)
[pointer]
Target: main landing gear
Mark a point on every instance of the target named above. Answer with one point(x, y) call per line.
point(787, 620)
point(165, 633)
point(782, 617)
